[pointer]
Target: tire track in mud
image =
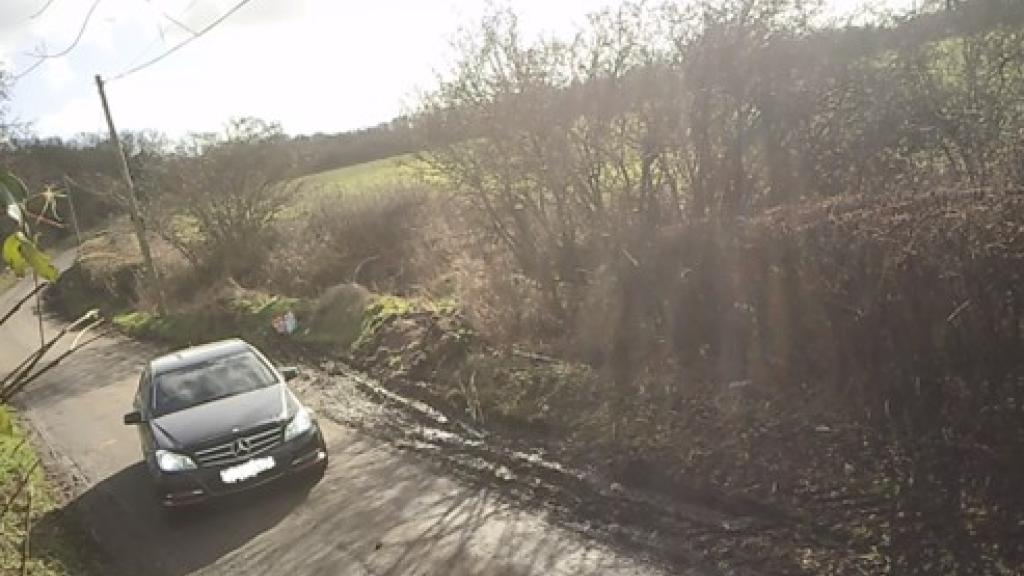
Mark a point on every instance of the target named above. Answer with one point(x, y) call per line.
point(673, 533)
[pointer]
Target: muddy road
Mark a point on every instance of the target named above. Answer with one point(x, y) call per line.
point(402, 496)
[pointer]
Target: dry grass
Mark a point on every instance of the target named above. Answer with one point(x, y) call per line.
point(371, 239)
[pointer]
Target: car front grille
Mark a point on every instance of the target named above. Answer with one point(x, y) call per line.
point(239, 449)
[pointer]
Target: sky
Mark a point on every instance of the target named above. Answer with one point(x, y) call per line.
point(312, 65)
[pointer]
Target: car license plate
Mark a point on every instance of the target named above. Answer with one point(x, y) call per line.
point(248, 470)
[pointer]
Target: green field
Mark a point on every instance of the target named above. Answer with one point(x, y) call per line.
point(388, 175)
point(394, 171)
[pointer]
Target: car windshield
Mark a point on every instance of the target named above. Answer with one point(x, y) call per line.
point(208, 381)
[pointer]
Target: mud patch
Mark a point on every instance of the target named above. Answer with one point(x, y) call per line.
point(679, 535)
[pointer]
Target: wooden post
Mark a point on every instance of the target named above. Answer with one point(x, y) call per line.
point(152, 278)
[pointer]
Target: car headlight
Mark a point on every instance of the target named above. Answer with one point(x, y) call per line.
point(301, 423)
point(173, 462)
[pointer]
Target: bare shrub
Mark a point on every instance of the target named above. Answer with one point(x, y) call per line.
point(882, 306)
point(220, 196)
point(564, 154)
point(371, 237)
point(503, 305)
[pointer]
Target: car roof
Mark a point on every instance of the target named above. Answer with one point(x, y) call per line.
point(197, 355)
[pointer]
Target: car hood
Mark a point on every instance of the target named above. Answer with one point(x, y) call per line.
point(193, 426)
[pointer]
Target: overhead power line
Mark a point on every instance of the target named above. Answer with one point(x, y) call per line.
point(148, 47)
point(160, 31)
point(199, 33)
point(177, 23)
point(41, 10)
point(172, 19)
point(40, 58)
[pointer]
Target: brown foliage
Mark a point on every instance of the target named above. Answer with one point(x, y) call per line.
point(629, 171)
point(652, 118)
point(752, 225)
point(380, 238)
point(221, 195)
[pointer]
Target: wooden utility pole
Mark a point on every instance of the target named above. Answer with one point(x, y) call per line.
point(152, 278)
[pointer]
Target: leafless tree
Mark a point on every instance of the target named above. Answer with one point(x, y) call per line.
point(219, 196)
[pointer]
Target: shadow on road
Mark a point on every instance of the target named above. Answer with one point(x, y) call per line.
point(102, 364)
point(383, 513)
point(376, 512)
point(140, 538)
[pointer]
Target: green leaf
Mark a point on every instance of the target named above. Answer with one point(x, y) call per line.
point(39, 261)
point(12, 254)
point(20, 253)
point(12, 193)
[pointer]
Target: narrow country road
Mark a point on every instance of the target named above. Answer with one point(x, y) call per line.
point(378, 510)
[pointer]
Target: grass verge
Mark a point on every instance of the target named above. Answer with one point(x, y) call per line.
point(55, 544)
point(247, 315)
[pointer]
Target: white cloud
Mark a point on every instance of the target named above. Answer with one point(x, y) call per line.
point(82, 114)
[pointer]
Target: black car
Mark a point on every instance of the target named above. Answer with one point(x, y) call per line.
point(219, 418)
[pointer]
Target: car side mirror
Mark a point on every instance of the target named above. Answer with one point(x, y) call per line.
point(289, 373)
point(133, 418)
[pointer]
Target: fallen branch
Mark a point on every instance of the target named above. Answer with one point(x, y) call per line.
point(24, 299)
point(25, 367)
point(18, 386)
